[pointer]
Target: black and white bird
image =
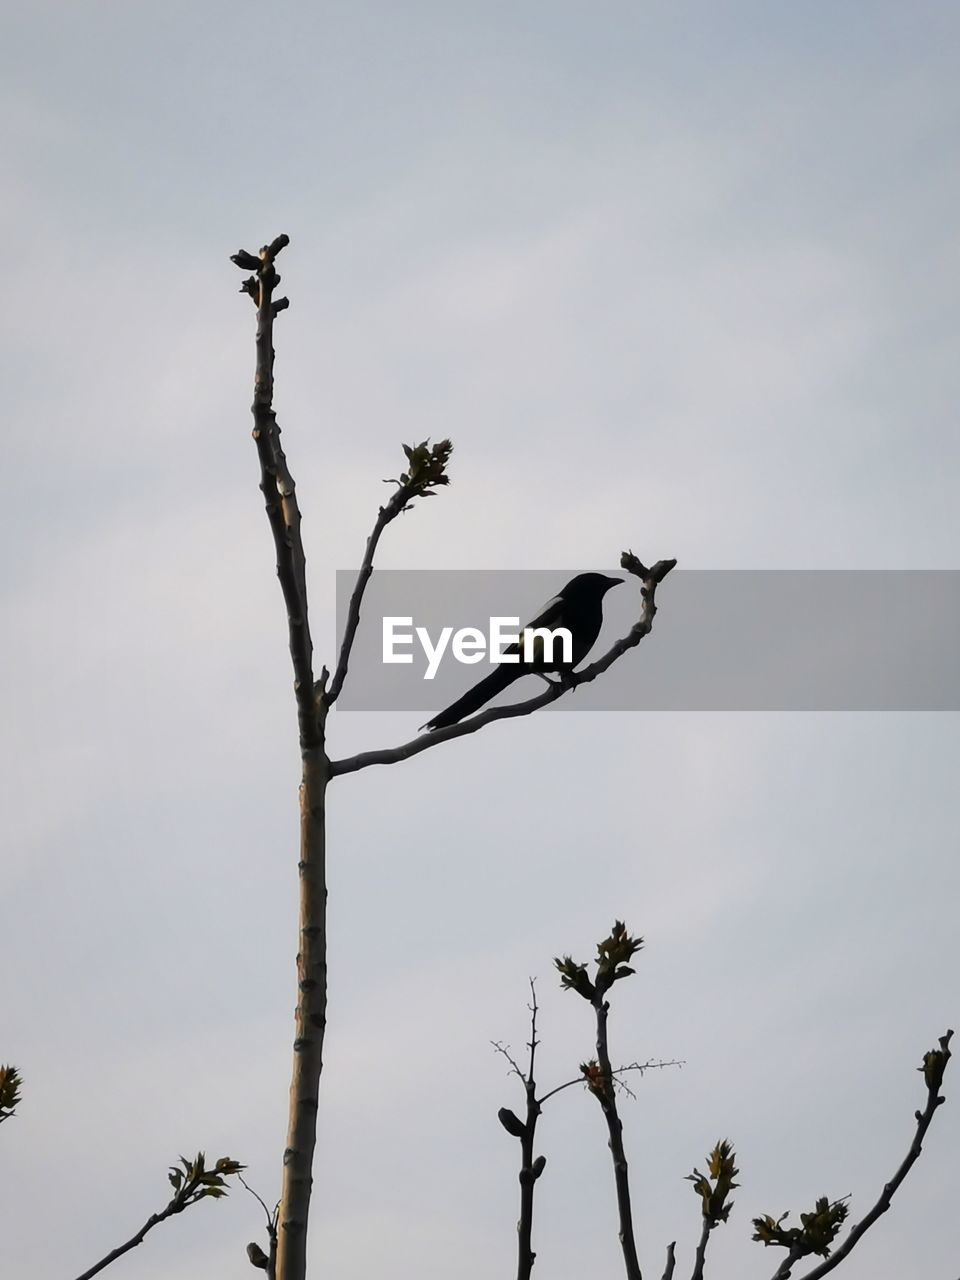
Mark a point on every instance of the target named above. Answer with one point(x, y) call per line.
point(578, 608)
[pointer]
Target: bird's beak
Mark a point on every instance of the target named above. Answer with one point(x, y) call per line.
point(613, 582)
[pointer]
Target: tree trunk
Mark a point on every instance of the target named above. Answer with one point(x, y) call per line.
point(311, 1018)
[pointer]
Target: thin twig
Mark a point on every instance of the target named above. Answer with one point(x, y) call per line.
point(426, 471)
point(622, 1084)
point(132, 1243)
point(649, 1065)
point(533, 1042)
point(254, 1252)
point(504, 1050)
point(387, 513)
point(642, 627)
point(246, 1184)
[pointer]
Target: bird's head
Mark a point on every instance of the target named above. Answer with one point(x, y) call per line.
point(589, 586)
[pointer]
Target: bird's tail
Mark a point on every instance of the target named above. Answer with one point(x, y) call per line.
point(474, 698)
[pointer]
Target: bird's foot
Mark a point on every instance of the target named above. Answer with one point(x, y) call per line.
point(562, 680)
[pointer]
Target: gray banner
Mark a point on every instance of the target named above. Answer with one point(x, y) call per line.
point(777, 640)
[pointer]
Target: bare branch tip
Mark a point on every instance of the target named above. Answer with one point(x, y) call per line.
point(655, 574)
point(671, 1260)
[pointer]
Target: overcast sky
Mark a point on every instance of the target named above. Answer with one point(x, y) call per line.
point(676, 277)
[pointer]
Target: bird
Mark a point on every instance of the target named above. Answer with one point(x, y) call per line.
point(578, 607)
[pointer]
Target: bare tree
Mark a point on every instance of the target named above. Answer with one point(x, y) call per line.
point(425, 473)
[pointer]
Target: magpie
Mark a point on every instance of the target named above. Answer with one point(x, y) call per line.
point(578, 607)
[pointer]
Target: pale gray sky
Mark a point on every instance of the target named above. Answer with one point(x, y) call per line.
point(679, 277)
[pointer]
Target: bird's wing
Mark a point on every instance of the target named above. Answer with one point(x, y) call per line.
point(550, 615)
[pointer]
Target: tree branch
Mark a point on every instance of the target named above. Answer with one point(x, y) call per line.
point(525, 1130)
point(649, 1065)
point(278, 487)
point(504, 1050)
point(193, 1183)
point(697, 1273)
point(934, 1065)
point(605, 1095)
point(785, 1268)
point(356, 599)
point(671, 1261)
point(132, 1243)
point(530, 1169)
point(426, 471)
point(614, 954)
point(650, 579)
point(713, 1188)
point(263, 1261)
